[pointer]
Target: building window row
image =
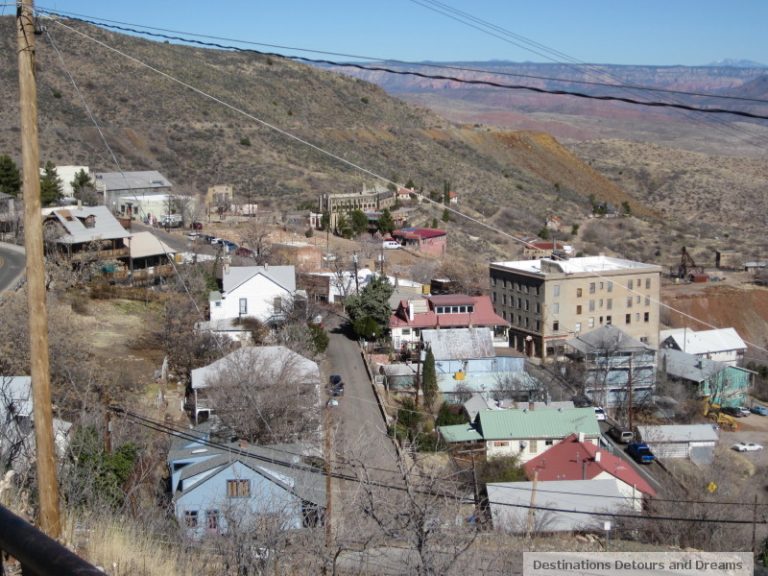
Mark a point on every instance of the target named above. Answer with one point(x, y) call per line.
point(458, 309)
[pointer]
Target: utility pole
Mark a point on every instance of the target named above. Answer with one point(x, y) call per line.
point(530, 525)
point(357, 282)
point(47, 486)
point(328, 470)
point(629, 386)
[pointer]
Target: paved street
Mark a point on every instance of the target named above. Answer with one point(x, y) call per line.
point(12, 262)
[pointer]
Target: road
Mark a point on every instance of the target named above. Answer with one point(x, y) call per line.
point(12, 263)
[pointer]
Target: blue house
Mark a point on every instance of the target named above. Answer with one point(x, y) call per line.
point(220, 487)
point(466, 361)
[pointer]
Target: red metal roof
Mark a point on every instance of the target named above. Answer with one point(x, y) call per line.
point(574, 460)
point(483, 314)
point(422, 233)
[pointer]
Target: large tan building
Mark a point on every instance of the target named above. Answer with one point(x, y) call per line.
point(549, 301)
point(365, 200)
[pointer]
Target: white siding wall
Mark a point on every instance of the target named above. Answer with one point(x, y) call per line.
point(531, 448)
point(260, 293)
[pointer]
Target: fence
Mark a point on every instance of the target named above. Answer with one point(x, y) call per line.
point(38, 554)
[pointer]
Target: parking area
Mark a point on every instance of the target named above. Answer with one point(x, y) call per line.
point(752, 428)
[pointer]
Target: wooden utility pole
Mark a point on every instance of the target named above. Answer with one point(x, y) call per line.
point(328, 470)
point(531, 523)
point(47, 486)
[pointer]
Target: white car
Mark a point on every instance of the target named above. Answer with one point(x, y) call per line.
point(600, 413)
point(391, 245)
point(747, 447)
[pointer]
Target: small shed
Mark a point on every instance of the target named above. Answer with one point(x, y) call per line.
point(694, 441)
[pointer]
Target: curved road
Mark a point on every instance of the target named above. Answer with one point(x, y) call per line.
point(12, 263)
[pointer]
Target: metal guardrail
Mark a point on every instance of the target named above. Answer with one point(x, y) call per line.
point(38, 554)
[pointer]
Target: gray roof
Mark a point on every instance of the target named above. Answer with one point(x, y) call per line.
point(703, 341)
point(476, 404)
point(689, 367)
point(459, 343)
point(234, 276)
point(678, 433)
point(510, 502)
point(606, 338)
point(105, 225)
point(146, 244)
point(276, 463)
point(130, 180)
point(266, 358)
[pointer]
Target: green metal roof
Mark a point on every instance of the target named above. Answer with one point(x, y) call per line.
point(459, 433)
point(539, 423)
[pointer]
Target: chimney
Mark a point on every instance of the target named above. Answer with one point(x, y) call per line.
point(266, 266)
point(597, 456)
point(581, 436)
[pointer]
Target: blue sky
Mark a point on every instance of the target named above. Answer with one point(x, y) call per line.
point(618, 32)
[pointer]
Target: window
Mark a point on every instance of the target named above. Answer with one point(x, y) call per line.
point(647, 283)
point(526, 321)
point(500, 444)
point(629, 301)
point(556, 326)
point(637, 299)
point(517, 287)
point(549, 442)
point(578, 292)
point(218, 304)
point(608, 319)
point(628, 319)
point(277, 304)
point(647, 317)
point(519, 303)
point(538, 325)
point(534, 446)
point(602, 285)
point(637, 316)
point(591, 287)
point(591, 305)
point(503, 299)
point(212, 519)
point(591, 322)
point(609, 285)
point(243, 306)
point(406, 332)
point(578, 309)
point(504, 314)
point(630, 284)
point(238, 488)
point(647, 300)
point(190, 518)
point(609, 304)
point(577, 327)
point(519, 320)
point(494, 298)
point(493, 281)
point(525, 288)
point(644, 339)
point(417, 332)
point(538, 307)
point(555, 308)
point(556, 290)
point(527, 305)
point(601, 320)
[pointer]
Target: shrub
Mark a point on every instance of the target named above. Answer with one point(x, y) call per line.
point(245, 141)
point(450, 414)
point(506, 469)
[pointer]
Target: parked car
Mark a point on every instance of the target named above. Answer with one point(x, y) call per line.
point(747, 447)
point(215, 241)
point(761, 410)
point(744, 411)
point(391, 245)
point(244, 252)
point(193, 235)
point(640, 453)
point(171, 220)
point(334, 380)
point(229, 246)
point(731, 411)
point(600, 413)
point(621, 435)
point(338, 390)
point(196, 226)
point(332, 402)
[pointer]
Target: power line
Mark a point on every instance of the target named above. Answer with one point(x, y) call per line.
point(583, 95)
point(616, 85)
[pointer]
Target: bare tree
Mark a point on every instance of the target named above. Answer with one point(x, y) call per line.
point(267, 395)
point(255, 236)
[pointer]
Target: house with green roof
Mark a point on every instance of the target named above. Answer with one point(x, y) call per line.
point(525, 433)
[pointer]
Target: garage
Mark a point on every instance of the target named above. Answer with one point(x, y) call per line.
point(694, 441)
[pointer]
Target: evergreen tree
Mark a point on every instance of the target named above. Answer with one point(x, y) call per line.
point(10, 177)
point(429, 380)
point(369, 311)
point(50, 185)
point(82, 187)
point(386, 223)
point(446, 215)
point(358, 222)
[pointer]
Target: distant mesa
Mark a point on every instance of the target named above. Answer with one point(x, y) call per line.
point(737, 63)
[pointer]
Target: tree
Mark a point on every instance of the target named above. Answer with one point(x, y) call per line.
point(369, 311)
point(544, 233)
point(358, 222)
point(626, 209)
point(10, 177)
point(386, 223)
point(83, 188)
point(446, 215)
point(434, 222)
point(446, 192)
point(50, 185)
point(429, 380)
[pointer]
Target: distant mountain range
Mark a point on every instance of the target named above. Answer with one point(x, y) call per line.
point(737, 63)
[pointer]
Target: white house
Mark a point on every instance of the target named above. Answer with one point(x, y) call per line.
point(260, 292)
point(722, 345)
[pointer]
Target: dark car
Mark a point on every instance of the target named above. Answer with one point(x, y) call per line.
point(335, 379)
point(338, 390)
point(244, 252)
point(640, 453)
point(731, 411)
point(196, 225)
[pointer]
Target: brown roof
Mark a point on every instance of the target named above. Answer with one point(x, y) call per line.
point(483, 314)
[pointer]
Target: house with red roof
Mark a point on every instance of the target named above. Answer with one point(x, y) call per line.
point(577, 459)
point(446, 311)
point(425, 240)
point(544, 249)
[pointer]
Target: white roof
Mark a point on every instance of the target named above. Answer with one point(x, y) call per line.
point(678, 433)
point(267, 358)
point(234, 276)
point(705, 341)
point(15, 393)
point(460, 343)
point(105, 225)
point(145, 244)
point(584, 264)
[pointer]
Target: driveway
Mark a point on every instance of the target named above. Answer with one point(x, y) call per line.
point(12, 264)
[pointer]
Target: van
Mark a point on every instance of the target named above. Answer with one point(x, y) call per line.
point(391, 245)
point(621, 435)
point(171, 220)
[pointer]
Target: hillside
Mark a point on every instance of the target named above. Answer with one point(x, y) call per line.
point(154, 123)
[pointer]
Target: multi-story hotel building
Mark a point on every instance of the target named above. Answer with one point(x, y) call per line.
point(548, 301)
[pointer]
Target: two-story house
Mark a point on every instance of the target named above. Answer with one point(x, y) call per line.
point(261, 292)
point(721, 344)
